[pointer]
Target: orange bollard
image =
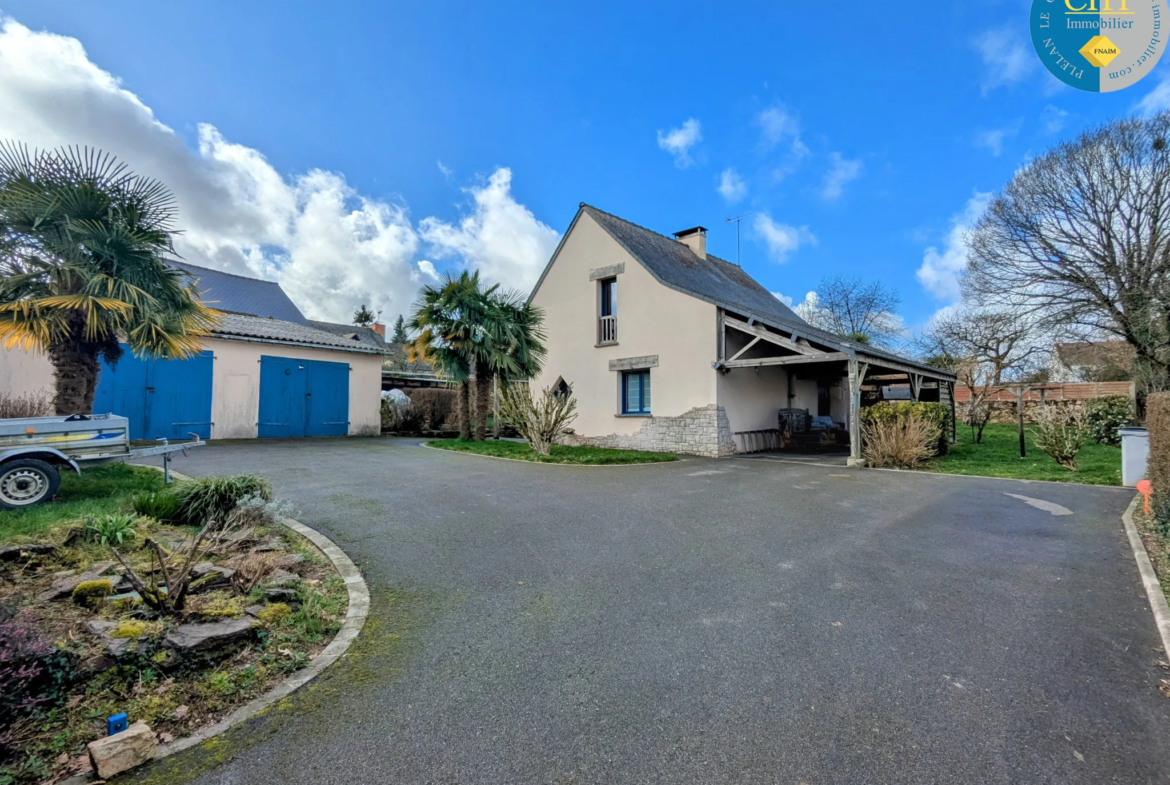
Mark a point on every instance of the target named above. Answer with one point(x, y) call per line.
point(1143, 487)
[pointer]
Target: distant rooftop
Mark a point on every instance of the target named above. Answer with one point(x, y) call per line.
point(242, 295)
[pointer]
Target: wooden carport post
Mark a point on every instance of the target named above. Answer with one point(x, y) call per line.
point(857, 372)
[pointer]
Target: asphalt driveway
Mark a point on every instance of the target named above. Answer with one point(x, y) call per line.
point(730, 621)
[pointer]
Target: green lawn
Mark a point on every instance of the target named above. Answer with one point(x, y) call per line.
point(999, 456)
point(99, 490)
point(581, 456)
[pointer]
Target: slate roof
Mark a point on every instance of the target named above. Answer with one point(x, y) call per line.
point(720, 283)
point(234, 325)
point(366, 336)
point(676, 265)
point(238, 294)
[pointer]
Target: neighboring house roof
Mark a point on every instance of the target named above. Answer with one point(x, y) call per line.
point(366, 336)
point(234, 325)
point(719, 282)
point(238, 294)
point(1096, 354)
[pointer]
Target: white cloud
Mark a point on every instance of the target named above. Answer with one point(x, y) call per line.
point(994, 138)
point(1008, 58)
point(1053, 118)
point(809, 301)
point(679, 141)
point(501, 236)
point(1157, 100)
point(843, 172)
point(780, 238)
point(940, 270)
point(731, 186)
point(330, 247)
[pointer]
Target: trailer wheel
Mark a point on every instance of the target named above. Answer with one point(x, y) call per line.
point(27, 481)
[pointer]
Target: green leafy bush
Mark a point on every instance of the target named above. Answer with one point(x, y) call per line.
point(1158, 423)
point(213, 498)
point(111, 530)
point(1060, 433)
point(889, 412)
point(1103, 416)
point(163, 506)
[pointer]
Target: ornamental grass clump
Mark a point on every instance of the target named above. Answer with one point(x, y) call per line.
point(935, 414)
point(540, 421)
point(902, 442)
point(1060, 433)
point(213, 498)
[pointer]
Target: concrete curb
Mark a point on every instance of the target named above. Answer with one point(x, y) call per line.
point(680, 459)
point(355, 619)
point(1149, 578)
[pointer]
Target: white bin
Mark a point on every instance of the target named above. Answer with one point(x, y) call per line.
point(1135, 455)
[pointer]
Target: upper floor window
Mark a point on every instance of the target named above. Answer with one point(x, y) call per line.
point(636, 392)
point(607, 311)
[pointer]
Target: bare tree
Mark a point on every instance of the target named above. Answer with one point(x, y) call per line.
point(1080, 238)
point(865, 312)
point(986, 350)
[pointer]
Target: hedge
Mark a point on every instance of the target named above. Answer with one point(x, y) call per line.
point(892, 411)
point(1158, 423)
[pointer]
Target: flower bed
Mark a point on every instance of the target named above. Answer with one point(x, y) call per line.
point(89, 628)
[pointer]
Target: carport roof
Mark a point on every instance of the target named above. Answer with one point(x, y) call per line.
point(257, 328)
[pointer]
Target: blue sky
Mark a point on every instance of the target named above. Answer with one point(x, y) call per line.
point(856, 138)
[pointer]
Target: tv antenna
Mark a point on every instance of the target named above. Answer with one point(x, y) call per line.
point(736, 221)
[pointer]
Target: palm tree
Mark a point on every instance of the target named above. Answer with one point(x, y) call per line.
point(83, 244)
point(465, 329)
point(443, 334)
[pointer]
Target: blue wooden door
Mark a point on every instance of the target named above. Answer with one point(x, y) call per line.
point(178, 397)
point(283, 387)
point(328, 399)
point(162, 399)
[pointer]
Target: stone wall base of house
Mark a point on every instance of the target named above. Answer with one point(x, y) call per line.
point(702, 431)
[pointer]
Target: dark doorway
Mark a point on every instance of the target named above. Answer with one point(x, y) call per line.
point(823, 399)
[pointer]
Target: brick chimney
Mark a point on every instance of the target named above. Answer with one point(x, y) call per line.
point(380, 329)
point(695, 239)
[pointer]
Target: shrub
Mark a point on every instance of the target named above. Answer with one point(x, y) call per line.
point(433, 407)
point(1103, 416)
point(213, 498)
point(1060, 433)
point(901, 441)
point(399, 414)
point(22, 671)
point(933, 413)
point(33, 404)
point(114, 529)
point(1158, 423)
point(540, 421)
point(163, 506)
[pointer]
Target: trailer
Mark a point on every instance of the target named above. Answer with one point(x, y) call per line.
point(34, 450)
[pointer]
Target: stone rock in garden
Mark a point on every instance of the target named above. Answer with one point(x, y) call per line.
point(100, 628)
point(277, 594)
point(281, 577)
point(201, 569)
point(270, 544)
point(115, 647)
point(100, 568)
point(208, 639)
point(215, 578)
point(123, 751)
point(123, 586)
point(96, 664)
point(134, 596)
point(64, 587)
point(291, 560)
point(9, 608)
point(252, 610)
point(17, 552)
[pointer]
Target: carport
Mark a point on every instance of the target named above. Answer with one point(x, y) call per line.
point(762, 359)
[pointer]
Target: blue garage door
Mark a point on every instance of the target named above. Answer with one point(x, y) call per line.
point(303, 398)
point(163, 399)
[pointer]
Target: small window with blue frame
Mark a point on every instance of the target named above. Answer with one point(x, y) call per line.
point(636, 392)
